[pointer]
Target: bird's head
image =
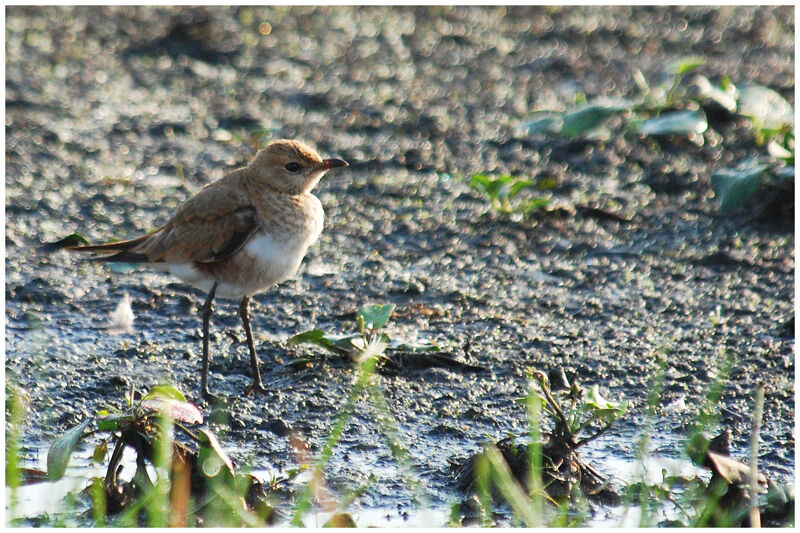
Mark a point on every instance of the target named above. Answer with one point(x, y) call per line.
point(291, 167)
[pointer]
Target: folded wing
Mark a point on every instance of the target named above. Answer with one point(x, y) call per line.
point(211, 226)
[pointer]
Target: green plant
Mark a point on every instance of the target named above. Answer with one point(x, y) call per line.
point(187, 483)
point(693, 501)
point(366, 348)
point(673, 108)
point(367, 341)
point(15, 416)
point(661, 109)
point(668, 94)
point(741, 185)
point(640, 491)
point(771, 118)
point(365, 372)
point(551, 469)
point(503, 192)
point(579, 415)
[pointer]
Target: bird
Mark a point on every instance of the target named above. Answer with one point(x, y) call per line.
point(238, 236)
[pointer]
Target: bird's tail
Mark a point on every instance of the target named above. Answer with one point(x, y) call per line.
point(125, 250)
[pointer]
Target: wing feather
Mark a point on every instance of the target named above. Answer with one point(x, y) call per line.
point(211, 226)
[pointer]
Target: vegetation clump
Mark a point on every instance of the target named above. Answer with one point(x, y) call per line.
point(175, 483)
point(550, 467)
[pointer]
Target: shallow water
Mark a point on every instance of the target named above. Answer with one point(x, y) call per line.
point(48, 498)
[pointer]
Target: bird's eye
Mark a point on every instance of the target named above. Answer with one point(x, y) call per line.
point(292, 167)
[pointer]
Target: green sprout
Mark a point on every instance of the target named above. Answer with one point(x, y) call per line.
point(367, 341)
point(503, 192)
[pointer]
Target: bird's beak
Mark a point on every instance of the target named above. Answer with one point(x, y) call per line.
point(333, 163)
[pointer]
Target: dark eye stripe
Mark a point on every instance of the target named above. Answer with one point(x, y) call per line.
point(293, 167)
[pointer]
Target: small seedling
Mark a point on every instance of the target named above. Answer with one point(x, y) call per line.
point(368, 341)
point(366, 348)
point(662, 109)
point(740, 186)
point(578, 415)
point(503, 192)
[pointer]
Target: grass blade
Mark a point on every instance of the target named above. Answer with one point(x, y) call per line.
point(62, 448)
point(755, 515)
point(520, 504)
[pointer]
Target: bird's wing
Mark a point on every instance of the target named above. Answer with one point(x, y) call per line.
point(211, 226)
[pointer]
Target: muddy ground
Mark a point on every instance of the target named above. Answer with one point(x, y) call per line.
point(116, 115)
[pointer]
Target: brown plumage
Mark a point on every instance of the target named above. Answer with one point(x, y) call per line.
point(239, 235)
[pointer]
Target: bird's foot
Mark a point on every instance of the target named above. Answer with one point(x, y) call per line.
point(212, 399)
point(256, 386)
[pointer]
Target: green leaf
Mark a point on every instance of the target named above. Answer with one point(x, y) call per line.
point(595, 400)
point(399, 344)
point(779, 152)
point(544, 122)
point(684, 64)
point(724, 97)
point(312, 336)
point(520, 185)
point(165, 391)
point(100, 452)
point(62, 448)
point(346, 342)
point(480, 181)
point(376, 316)
point(612, 414)
point(333, 343)
point(110, 422)
point(587, 118)
point(675, 123)
point(736, 187)
point(532, 205)
point(74, 239)
point(766, 108)
point(496, 187)
point(211, 452)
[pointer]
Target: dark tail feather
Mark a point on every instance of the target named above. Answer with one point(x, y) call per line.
point(123, 257)
point(123, 248)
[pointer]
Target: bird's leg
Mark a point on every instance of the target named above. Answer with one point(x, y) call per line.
point(244, 313)
point(206, 310)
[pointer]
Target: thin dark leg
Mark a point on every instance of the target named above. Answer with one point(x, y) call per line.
point(244, 313)
point(206, 310)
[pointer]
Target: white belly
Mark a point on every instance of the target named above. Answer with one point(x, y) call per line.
point(266, 260)
point(275, 259)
